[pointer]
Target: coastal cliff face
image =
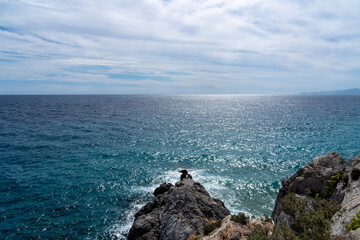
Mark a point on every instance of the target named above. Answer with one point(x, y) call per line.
point(325, 192)
point(349, 194)
point(308, 181)
point(329, 178)
point(177, 212)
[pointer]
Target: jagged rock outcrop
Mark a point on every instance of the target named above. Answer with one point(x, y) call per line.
point(177, 212)
point(313, 179)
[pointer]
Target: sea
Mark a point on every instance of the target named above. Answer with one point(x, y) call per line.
point(79, 167)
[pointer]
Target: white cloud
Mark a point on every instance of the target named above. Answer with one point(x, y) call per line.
point(228, 46)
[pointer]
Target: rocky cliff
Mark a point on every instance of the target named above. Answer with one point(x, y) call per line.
point(177, 212)
point(327, 180)
point(348, 194)
point(315, 203)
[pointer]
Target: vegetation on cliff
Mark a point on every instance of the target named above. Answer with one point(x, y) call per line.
point(208, 228)
point(333, 181)
point(355, 223)
point(312, 220)
point(318, 200)
point(240, 218)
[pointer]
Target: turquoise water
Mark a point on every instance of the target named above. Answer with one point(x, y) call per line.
point(78, 167)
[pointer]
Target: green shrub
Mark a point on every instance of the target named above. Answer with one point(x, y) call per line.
point(208, 228)
point(332, 182)
point(292, 205)
point(327, 208)
point(355, 174)
point(310, 224)
point(355, 223)
point(315, 226)
point(283, 232)
point(240, 218)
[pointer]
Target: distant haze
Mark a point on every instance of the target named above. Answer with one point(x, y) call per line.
point(353, 91)
point(178, 47)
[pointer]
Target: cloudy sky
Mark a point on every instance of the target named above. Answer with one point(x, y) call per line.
point(178, 46)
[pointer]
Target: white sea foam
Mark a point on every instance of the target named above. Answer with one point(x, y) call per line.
point(119, 230)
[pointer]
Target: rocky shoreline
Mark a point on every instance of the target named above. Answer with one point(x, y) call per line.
point(315, 203)
point(177, 212)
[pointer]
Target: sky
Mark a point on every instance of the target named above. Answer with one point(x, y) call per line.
point(178, 46)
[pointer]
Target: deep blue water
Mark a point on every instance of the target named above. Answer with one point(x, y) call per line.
point(78, 167)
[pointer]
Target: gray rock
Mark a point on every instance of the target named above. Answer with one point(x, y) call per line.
point(162, 189)
point(350, 203)
point(247, 233)
point(176, 212)
point(236, 236)
point(353, 235)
